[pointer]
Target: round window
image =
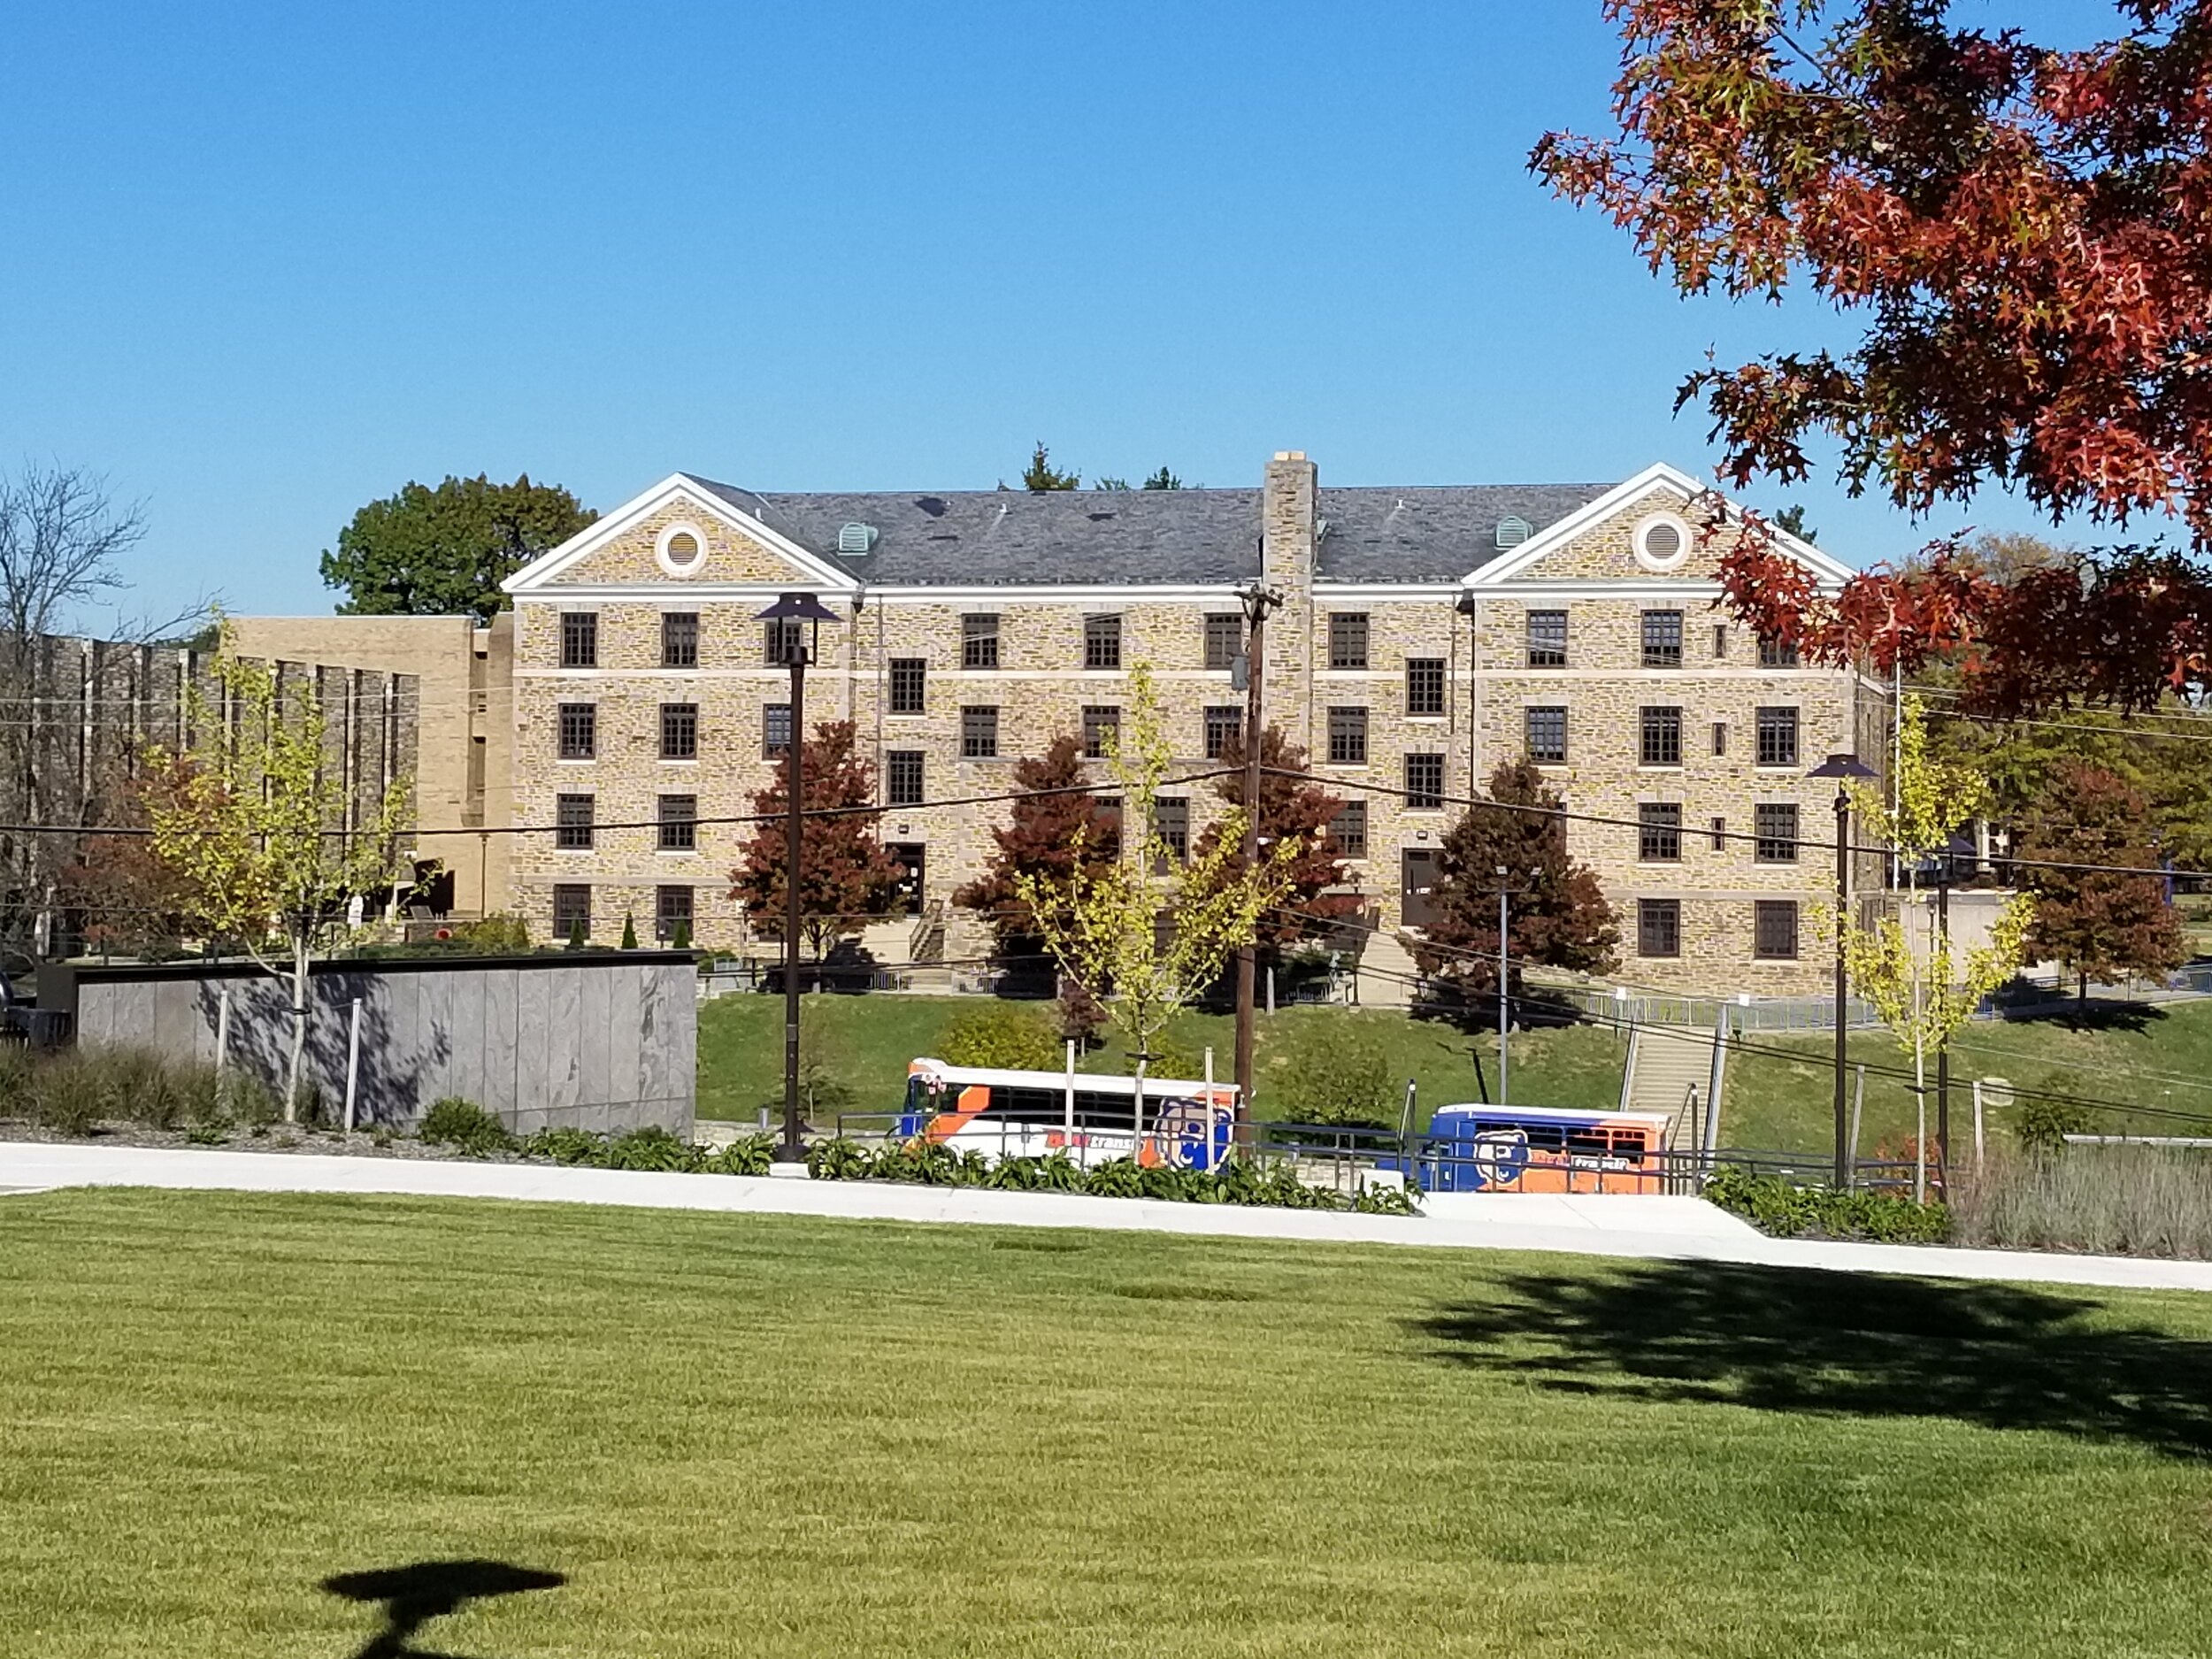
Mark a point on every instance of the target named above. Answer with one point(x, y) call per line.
point(1663, 542)
point(680, 548)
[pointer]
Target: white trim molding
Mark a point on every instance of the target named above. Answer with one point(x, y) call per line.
point(679, 490)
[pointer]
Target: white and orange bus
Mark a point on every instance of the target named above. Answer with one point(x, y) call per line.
point(1007, 1114)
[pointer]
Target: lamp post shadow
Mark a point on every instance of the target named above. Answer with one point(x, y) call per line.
point(415, 1594)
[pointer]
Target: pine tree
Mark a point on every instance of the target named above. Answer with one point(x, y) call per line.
point(1559, 917)
point(629, 932)
point(844, 872)
point(1292, 806)
point(2100, 925)
point(1040, 475)
point(1039, 839)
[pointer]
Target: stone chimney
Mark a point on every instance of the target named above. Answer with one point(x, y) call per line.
point(1286, 525)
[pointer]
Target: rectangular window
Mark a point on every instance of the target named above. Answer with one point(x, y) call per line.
point(571, 909)
point(1170, 819)
point(1102, 642)
point(902, 777)
point(572, 816)
point(1662, 737)
point(679, 731)
point(978, 732)
point(1774, 930)
point(1659, 834)
point(679, 824)
point(1775, 822)
point(1720, 641)
point(579, 731)
point(671, 910)
point(775, 729)
point(680, 639)
point(1547, 638)
point(579, 639)
point(1658, 928)
point(1224, 638)
point(1098, 719)
point(1777, 737)
point(1720, 737)
point(781, 639)
point(1720, 834)
point(1548, 736)
point(1224, 727)
point(910, 685)
point(978, 639)
point(1348, 639)
point(1778, 654)
point(1424, 685)
point(1663, 639)
point(1348, 737)
point(1348, 829)
point(1424, 783)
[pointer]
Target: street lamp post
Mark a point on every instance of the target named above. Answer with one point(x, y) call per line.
point(1843, 768)
point(795, 647)
point(1252, 669)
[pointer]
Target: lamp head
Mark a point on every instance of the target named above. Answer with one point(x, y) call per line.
point(1843, 766)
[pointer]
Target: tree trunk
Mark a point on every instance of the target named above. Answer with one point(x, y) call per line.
point(299, 1029)
point(2081, 996)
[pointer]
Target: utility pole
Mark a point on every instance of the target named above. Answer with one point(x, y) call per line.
point(1257, 600)
point(1505, 1018)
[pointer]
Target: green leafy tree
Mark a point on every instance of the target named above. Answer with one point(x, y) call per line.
point(1146, 933)
point(443, 551)
point(1040, 475)
point(1558, 917)
point(1161, 479)
point(1792, 519)
point(1010, 1036)
point(2100, 925)
point(254, 830)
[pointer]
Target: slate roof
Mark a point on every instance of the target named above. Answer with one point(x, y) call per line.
point(978, 538)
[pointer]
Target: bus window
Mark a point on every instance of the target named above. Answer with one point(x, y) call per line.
point(1628, 1143)
point(1589, 1142)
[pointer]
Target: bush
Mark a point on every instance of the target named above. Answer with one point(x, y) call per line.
point(1012, 1036)
point(1334, 1073)
point(748, 1157)
point(1081, 1016)
point(68, 1093)
point(1783, 1209)
point(566, 1146)
point(465, 1126)
point(2042, 1124)
point(502, 930)
point(650, 1147)
point(78, 1087)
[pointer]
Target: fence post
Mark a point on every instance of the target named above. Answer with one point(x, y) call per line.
point(1067, 1102)
point(1858, 1104)
point(1977, 1125)
point(353, 1062)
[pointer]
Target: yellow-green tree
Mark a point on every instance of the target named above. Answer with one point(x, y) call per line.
point(1146, 933)
point(1925, 996)
point(257, 833)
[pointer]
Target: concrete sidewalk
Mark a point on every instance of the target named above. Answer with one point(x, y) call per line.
point(1669, 1229)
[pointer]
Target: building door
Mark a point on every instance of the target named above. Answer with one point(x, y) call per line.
point(910, 892)
point(1419, 866)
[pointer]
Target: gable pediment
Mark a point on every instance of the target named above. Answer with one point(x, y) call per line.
point(676, 535)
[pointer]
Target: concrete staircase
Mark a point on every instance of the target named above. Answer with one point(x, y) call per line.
point(1665, 1063)
point(1387, 972)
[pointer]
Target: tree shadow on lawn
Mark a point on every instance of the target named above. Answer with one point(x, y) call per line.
point(1840, 1345)
point(415, 1594)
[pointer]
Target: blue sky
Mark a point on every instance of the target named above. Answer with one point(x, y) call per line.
point(262, 264)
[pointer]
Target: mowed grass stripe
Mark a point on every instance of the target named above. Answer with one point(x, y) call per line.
point(762, 1435)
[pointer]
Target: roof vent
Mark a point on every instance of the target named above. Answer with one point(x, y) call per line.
point(1512, 531)
point(856, 538)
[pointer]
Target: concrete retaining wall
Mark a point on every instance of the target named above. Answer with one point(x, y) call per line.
point(602, 1042)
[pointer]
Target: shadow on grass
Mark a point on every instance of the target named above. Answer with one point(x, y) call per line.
point(2097, 1015)
point(1841, 1345)
point(413, 1595)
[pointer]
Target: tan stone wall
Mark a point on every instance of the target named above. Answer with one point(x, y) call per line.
point(731, 555)
point(1607, 550)
point(440, 653)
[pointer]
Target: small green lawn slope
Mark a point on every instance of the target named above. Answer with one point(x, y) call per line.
point(773, 1437)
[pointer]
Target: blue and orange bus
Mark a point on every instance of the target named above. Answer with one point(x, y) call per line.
point(1473, 1148)
point(1009, 1114)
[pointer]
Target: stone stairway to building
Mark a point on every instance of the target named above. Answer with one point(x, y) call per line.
point(1387, 972)
point(1665, 1063)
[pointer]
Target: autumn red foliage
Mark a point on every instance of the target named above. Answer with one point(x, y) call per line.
point(2099, 924)
point(844, 873)
point(2025, 236)
point(1292, 803)
point(1039, 839)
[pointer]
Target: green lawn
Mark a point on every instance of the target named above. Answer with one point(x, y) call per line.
point(767, 1437)
point(1782, 1101)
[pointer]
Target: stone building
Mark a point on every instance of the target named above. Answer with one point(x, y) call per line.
point(1426, 634)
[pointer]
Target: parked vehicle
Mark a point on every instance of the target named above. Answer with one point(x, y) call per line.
point(1034, 1114)
point(1476, 1148)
